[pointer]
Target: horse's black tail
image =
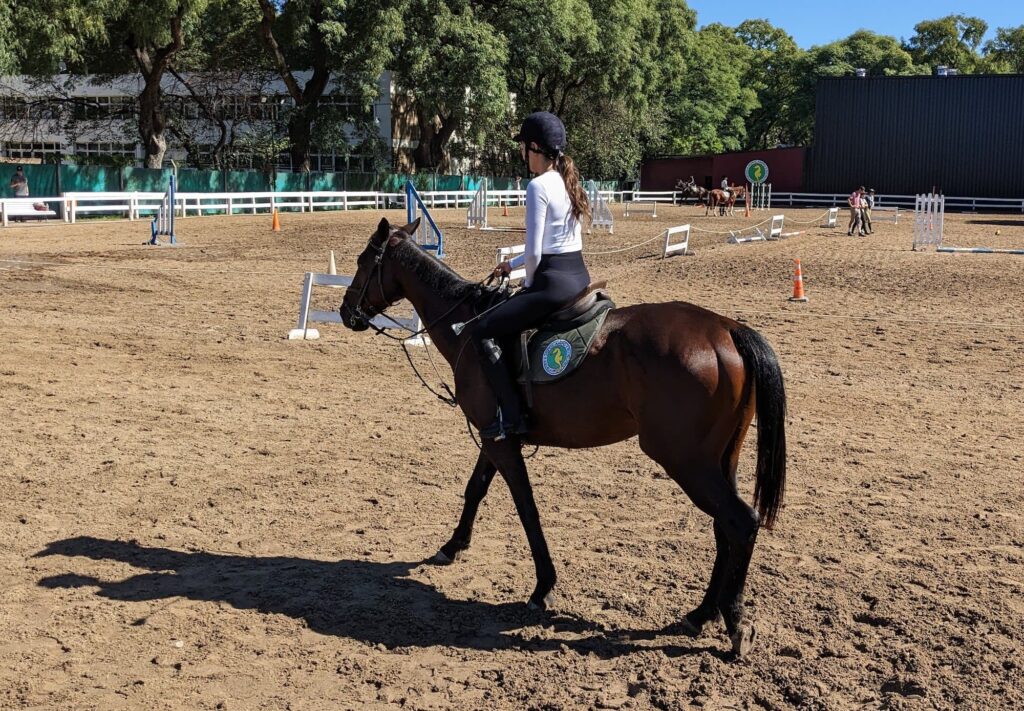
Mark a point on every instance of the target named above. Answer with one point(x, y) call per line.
point(760, 361)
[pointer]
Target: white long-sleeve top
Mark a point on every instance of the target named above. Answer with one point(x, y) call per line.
point(550, 225)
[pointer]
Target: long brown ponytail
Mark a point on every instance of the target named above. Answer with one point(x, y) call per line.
point(577, 195)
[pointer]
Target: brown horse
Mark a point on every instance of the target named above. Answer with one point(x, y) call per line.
point(690, 190)
point(684, 379)
point(725, 205)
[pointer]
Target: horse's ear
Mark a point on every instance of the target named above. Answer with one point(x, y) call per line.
point(383, 230)
point(411, 228)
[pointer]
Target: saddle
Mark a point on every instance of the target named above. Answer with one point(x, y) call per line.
point(559, 345)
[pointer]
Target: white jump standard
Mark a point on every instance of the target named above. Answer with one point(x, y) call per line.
point(163, 222)
point(600, 214)
point(929, 215)
point(929, 223)
point(832, 219)
point(681, 246)
point(476, 215)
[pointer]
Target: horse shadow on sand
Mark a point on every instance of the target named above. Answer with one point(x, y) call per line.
point(371, 602)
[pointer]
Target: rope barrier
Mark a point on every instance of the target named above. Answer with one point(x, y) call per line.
point(661, 235)
point(802, 222)
point(729, 232)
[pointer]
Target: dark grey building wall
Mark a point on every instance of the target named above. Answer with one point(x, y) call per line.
point(964, 135)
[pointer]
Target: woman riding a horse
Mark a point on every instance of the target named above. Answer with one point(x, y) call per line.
point(556, 205)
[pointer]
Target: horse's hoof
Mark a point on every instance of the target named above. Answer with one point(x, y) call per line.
point(688, 628)
point(743, 640)
point(541, 604)
point(442, 558)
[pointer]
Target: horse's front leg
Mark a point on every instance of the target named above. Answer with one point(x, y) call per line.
point(476, 490)
point(508, 457)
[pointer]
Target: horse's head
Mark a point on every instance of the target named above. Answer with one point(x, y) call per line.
point(375, 286)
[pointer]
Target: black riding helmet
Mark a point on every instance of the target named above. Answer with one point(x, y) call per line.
point(546, 130)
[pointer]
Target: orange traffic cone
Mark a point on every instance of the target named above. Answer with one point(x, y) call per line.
point(277, 222)
point(504, 213)
point(798, 284)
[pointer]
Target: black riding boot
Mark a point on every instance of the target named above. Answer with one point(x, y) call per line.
point(510, 419)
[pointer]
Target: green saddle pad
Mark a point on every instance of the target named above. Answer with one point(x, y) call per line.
point(556, 349)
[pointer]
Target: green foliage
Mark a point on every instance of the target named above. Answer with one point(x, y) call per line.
point(8, 56)
point(1005, 53)
point(451, 65)
point(630, 78)
point(879, 55)
point(953, 40)
point(709, 108)
point(772, 74)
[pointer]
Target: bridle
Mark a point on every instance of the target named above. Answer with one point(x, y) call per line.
point(366, 316)
point(358, 312)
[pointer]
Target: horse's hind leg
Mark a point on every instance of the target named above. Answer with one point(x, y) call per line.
point(476, 489)
point(712, 488)
point(740, 524)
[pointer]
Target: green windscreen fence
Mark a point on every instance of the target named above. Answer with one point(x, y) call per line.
point(43, 181)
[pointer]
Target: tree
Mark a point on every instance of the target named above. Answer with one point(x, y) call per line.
point(8, 44)
point(709, 108)
point(772, 74)
point(1005, 53)
point(348, 41)
point(952, 41)
point(80, 34)
point(878, 55)
point(451, 64)
point(603, 66)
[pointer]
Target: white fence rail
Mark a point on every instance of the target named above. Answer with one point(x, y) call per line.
point(140, 205)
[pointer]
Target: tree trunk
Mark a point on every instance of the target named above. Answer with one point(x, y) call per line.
point(435, 133)
point(300, 129)
point(152, 123)
point(152, 120)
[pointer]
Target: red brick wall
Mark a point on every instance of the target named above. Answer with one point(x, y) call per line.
point(785, 169)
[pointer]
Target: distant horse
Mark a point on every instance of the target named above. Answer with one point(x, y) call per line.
point(684, 379)
point(690, 190)
point(726, 205)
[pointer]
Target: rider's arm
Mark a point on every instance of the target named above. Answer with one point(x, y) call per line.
point(536, 215)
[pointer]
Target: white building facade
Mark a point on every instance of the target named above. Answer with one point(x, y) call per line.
point(94, 120)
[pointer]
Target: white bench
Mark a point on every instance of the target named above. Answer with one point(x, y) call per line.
point(21, 208)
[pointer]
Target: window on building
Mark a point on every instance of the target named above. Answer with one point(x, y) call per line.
point(41, 149)
point(101, 107)
point(105, 149)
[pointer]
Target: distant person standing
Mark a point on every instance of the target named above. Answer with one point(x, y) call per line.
point(19, 186)
point(19, 183)
point(855, 202)
point(867, 205)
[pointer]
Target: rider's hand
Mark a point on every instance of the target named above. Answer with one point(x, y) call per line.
point(502, 270)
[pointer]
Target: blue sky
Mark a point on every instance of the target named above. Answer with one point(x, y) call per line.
point(812, 23)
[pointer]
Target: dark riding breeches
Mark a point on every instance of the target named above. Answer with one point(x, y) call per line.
point(559, 277)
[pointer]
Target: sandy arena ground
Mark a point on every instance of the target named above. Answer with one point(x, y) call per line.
point(199, 514)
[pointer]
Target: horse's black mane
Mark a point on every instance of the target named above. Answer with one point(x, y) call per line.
point(440, 277)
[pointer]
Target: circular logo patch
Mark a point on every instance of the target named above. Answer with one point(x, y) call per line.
point(556, 357)
point(756, 172)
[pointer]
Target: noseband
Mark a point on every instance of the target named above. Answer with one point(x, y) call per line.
point(358, 311)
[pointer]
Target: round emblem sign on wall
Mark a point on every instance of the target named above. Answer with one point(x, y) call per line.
point(756, 172)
